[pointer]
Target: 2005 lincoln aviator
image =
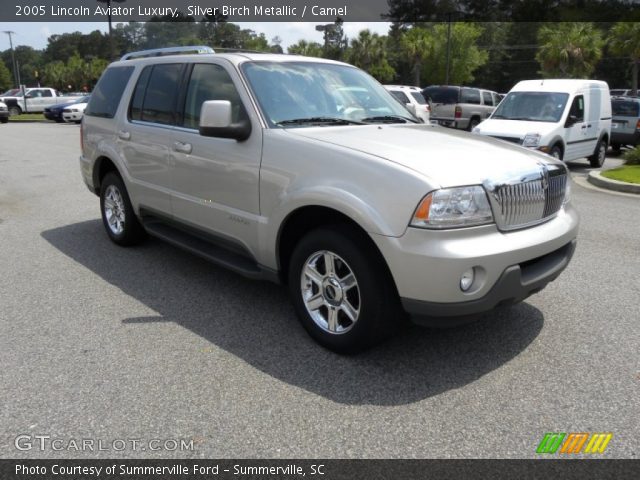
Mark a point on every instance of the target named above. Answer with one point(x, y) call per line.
point(308, 172)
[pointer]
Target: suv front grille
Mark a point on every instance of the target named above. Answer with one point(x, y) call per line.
point(509, 139)
point(532, 201)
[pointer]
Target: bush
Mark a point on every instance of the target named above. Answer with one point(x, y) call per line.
point(632, 157)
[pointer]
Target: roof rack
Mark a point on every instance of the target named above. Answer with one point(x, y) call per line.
point(161, 52)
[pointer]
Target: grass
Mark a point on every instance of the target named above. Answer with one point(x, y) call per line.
point(27, 117)
point(625, 173)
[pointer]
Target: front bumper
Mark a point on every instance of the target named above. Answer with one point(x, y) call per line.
point(515, 284)
point(427, 265)
point(72, 116)
point(4, 114)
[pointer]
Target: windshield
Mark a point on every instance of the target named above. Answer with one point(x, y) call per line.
point(84, 99)
point(301, 94)
point(532, 106)
point(10, 93)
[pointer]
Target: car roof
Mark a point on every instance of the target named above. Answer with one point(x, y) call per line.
point(557, 85)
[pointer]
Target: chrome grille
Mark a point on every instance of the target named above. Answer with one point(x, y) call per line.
point(531, 200)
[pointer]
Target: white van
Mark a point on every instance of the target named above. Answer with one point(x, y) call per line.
point(568, 119)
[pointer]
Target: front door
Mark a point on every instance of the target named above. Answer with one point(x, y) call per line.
point(576, 132)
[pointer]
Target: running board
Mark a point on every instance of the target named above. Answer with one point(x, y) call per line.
point(208, 250)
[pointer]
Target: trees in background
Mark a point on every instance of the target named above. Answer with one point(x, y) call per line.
point(624, 40)
point(369, 52)
point(6, 80)
point(569, 49)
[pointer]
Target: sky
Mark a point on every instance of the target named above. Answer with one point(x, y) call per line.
point(35, 34)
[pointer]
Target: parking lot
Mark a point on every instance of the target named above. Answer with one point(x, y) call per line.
point(107, 343)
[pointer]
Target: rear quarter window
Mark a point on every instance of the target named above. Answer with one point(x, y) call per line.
point(470, 95)
point(445, 95)
point(625, 109)
point(400, 96)
point(108, 92)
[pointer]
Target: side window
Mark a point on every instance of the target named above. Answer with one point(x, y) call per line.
point(159, 104)
point(209, 82)
point(577, 108)
point(496, 98)
point(486, 98)
point(108, 92)
point(46, 93)
point(400, 96)
point(470, 95)
point(135, 109)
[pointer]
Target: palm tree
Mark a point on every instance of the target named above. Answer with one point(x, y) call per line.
point(569, 49)
point(625, 41)
point(369, 52)
point(416, 45)
point(308, 49)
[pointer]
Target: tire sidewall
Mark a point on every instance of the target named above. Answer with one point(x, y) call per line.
point(376, 297)
point(130, 231)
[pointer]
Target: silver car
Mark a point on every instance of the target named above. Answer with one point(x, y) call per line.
point(307, 172)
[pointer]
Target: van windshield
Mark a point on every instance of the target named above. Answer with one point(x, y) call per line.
point(302, 94)
point(532, 106)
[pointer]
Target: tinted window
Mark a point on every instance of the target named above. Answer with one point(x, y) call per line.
point(159, 105)
point(108, 92)
point(496, 98)
point(419, 98)
point(209, 82)
point(486, 98)
point(577, 108)
point(446, 95)
point(400, 96)
point(625, 109)
point(135, 110)
point(46, 93)
point(470, 95)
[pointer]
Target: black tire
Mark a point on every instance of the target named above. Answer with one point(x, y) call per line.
point(132, 232)
point(597, 159)
point(14, 110)
point(59, 120)
point(379, 313)
point(616, 147)
point(473, 123)
point(556, 152)
point(4, 120)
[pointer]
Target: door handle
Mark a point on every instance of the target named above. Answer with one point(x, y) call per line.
point(122, 135)
point(583, 127)
point(182, 147)
point(589, 126)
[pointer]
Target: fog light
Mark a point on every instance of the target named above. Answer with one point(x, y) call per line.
point(466, 280)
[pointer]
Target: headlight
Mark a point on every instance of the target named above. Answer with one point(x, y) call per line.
point(453, 207)
point(531, 140)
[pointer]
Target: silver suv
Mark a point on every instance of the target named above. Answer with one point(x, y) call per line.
point(460, 107)
point(308, 172)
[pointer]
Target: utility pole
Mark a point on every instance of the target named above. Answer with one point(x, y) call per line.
point(16, 77)
point(111, 45)
point(446, 81)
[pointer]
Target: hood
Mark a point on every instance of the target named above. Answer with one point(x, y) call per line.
point(447, 157)
point(514, 128)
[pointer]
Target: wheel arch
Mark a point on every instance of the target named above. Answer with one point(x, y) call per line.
point(101, 167)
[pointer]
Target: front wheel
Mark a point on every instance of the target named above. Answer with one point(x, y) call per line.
point(556, 152)
point(118, 217)
point(341, 290)
point(597, 159)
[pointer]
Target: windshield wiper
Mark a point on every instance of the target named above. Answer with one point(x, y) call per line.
point(319, 121)
point(389, 119)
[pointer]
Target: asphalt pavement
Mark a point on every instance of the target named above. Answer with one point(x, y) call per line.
point(150, 343)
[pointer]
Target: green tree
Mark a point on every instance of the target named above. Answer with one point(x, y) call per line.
point(569, 49)
point(308, 49)
point(55, 75)
point(368, 51)
point(465, 56)
point(625, 41)
point(6, 79)
point(416, 45)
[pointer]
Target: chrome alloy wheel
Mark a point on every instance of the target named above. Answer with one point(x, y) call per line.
point(114, 209)
point(330, 292)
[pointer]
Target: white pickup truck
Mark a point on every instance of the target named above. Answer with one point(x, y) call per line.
point(35, 100)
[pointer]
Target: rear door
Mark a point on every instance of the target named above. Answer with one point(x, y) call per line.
point(145, 136)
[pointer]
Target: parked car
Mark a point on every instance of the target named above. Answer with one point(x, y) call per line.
point(75, 111)
point(250, 161)
point(4, 113)
point(55, 112)
point(625, 125)
point(568, 119)
point(35, 100)
point(460, 107)
point(413, 99)
point(620, 92)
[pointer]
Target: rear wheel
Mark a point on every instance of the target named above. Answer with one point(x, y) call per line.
point(616, 147)
point(118, 217)
point(341, 290)
point(473, 123)
point(14, 110)
point(4, 119)
point(597, 159)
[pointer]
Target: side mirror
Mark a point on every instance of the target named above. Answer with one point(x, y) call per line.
point(216, 120)
point(571, 120)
